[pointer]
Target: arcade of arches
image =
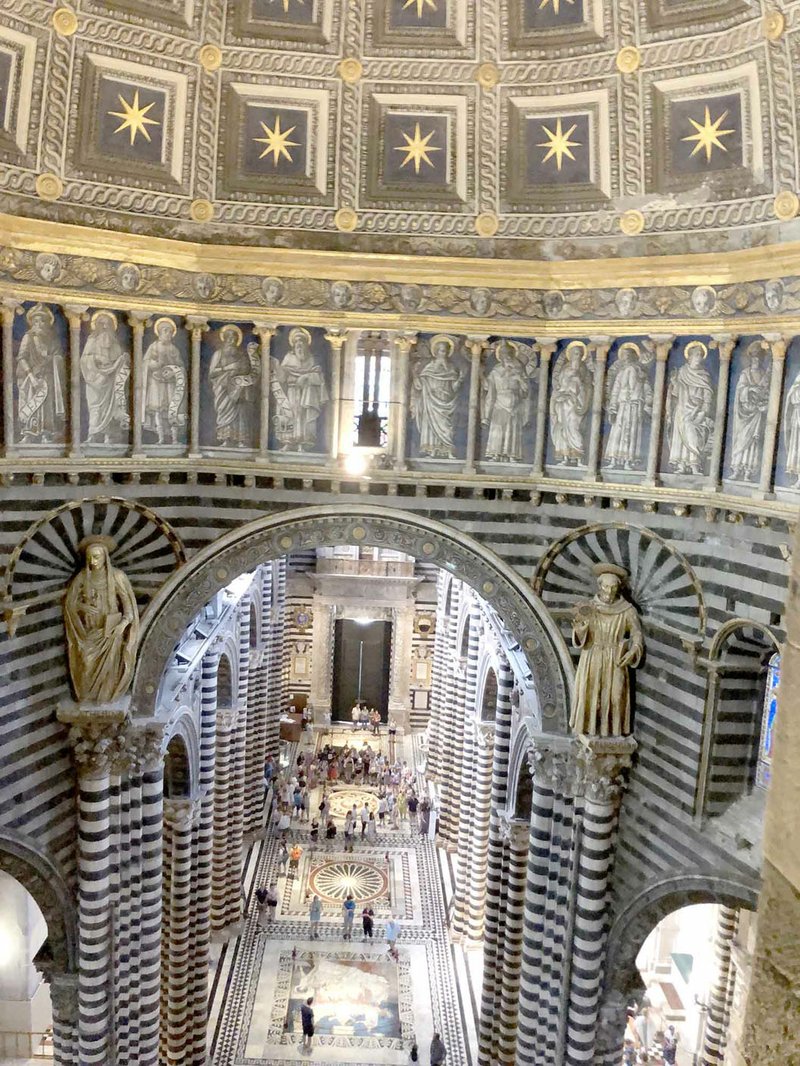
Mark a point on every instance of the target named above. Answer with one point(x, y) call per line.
point(355, 352)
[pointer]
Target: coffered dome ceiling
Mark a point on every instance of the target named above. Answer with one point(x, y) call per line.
point(517, 128)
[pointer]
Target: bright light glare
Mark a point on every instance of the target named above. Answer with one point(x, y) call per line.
point(355, 463)
point(363, 621)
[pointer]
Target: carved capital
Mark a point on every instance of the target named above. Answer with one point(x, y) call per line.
point(484, 733)
point(601, 347)
point(605, 762)
point(517, 833)
point(138, 320)
point(725, 342)
point(226, 719)
point(197, 324)
point(181, 814)
point(145, 745)
point(554, 765)
point(475, 346)
point(663, 343)
point(546, 350)
point(97, 735)
point(778, 345)
point(405, 342)
point(9, 309)
point(336, 338)
point(63, 993)
point(75, 314)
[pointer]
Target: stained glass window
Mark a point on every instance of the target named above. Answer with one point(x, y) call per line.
point(764, 770)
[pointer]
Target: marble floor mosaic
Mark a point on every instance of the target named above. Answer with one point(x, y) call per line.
point(368, 1006)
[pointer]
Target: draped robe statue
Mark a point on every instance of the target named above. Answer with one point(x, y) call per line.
point(102, 626)
point(41, 380)
point(749, 415)
point(690, 412)
point(505, 406)
point(105, 367)
point(608, 632)
point(435, 389)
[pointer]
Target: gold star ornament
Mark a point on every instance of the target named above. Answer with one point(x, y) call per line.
point(708, 135)
point(134, 117)
point(420, 6)
point(285, 4)
point(277, 141)
point(417, 149)
point(556, 5)
point(558, 143)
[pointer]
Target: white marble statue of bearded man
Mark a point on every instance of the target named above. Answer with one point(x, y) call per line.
point(609, 634)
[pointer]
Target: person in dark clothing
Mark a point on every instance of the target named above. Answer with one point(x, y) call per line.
point(367, 921)
point(438, 1051)
point(307, 1018)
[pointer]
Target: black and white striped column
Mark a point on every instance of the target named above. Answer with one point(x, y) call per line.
point(715, 1036)
point(177, 970)
point(517, 842)
point(495, 877)
point(479, 838)
point(470, 819)
point(97, 739)
point(220, 883)
point(605, 762)
point(151, 761)
point(434, 750)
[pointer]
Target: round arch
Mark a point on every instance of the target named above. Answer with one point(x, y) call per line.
point(643, 913)
point(183, 744)
point(718, 644)
point(239, 551)
point(39, 875)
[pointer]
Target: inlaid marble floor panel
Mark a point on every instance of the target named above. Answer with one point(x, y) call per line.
point(368, 1007)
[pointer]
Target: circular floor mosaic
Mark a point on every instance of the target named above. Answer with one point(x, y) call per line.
point(344, 798)
point(333, 881)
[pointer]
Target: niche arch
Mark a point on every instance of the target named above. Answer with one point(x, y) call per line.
point(241, 550)
point(633, 924)
point(23, 860)
point(181, 757)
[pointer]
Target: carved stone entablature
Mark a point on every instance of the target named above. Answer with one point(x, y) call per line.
point(605, 762)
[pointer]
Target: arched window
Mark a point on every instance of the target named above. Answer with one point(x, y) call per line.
point(523, 801)
point(489, 701)
point(224, 683)
point(176, 769)
point(768, 720)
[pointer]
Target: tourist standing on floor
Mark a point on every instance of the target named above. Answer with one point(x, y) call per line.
point(314, 915)
point(314, 831)
point(375, 718)
point(283, 858)
point(383, 807)
point(348, 914)
point(372, 829)
point(272, 902)
point(392, 933)
point(284, 823)
point(413, 807)
point(413, 1055)
point(355, 714)
point(669, 1050)
point(364, 818)
point(261, 903)
point(438, 1051)
point(392, 739)
point(307, 1018)
point(367, 922)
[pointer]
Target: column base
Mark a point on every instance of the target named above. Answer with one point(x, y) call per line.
point(227, 932)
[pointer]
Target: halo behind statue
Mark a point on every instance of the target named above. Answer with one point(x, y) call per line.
point(610, 568)
point(159, 322)
point(695, 346)
point(103, 313)
point(97, 538)
point(442, 338)
point(40, 311)
point(299, 331)
point(231, 328)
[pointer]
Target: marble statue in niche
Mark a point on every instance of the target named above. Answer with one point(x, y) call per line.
point(435, 390)
point(272, 290)
point(791, 427)
point(505, 406)
point(690, 412)
point(41, 380)
point(608, 632)
point(163, 385)
point(105, 368)
point(102, 626)
point(750, 402)
point(48, 266)
point(341, 294)
point(234, 376)
point(300, 393)
point(629, 401)
point(570, 400)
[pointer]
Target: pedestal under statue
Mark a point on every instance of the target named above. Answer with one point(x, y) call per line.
point(609, 634)
point(101, 620)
